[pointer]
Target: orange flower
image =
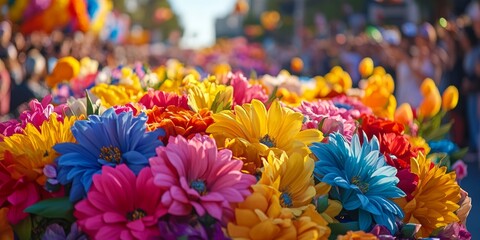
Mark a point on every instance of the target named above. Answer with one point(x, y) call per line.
point(357, 235)
point(366, 67)
point(404, 114)
point(450, 98)
point(296, 64)
point(178, 121)
point(65, 69)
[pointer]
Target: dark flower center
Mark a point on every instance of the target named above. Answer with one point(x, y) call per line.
point(363, 186)
point(136, 214)
point(199, 186)
point(111, 154)
point(286, 200)
point(45, 154)
point(269, 142)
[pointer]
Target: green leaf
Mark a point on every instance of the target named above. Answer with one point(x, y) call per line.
point(322, 204)
point(272, 96)
point(342, 228)
point(89, 104)
point(253, 75)
point(440, 159)
point(409, 230)
point(53, 208)
point(437, 134)
point(458, 154)
point(24, 229)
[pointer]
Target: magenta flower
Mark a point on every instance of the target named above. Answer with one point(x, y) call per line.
point(353, 107)
point(120, 205)
point(163, 99)
point(195, 175)
point(244, 92)
point(461, 169)
point(325, 116)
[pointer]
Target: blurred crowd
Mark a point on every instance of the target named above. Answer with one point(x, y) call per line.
point(447, 51)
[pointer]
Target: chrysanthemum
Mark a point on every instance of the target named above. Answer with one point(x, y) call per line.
point(109, 139)
point(196, 176)
point(210, 95)
point(360, 179)
point(178, 121)
point(243, 91)
point(36, 147)
point(261, 216)
point(163, 99)
point(354, 107)
point(120, 205)
point(324, 115)
point(295, 176)
point(279, 127)
point(435, 199)
point(112, 95)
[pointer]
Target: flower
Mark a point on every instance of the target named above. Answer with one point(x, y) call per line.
point(6, 231)
point(278, 127)
point(260, 216)
point(178, 121)
point(454, 231)
point(379, 95)
point(56, 232)
point(465, 207)
point(404, 114)
point(360, 178)
point(324, 115)
point(243, 91)
point(432, 101)
point(36, 151)
point(65, 69)
point(365, 68)
point(443, 146)
point(112, 95)
point(163, 99)
point(354, 107)
point(295, 178)
point(189, 227)
point(460, 169)
point(283, 80)
point(296, 64)
point(195, 175)
point(450, 98)
point(210, 95)
point(374, 126)
point(435, 198)
point(121, 205)
point(109, 139)
point(357, 235)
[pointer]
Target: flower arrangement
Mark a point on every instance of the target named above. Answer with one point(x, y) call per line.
point(163, 154)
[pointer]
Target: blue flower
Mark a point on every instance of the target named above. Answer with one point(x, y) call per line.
point(110, 139)
point(360, 179)
point(444, 145)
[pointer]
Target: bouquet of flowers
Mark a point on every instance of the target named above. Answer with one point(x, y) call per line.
point(162, 154)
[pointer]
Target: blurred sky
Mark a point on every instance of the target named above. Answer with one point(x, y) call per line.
point(198, 19)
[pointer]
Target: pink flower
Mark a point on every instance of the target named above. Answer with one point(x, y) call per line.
point(163, 99)
point(354, 107)
point(460, 169)
point(325, 116)
point(244, 92)
point(195, 175)
point(120, 205)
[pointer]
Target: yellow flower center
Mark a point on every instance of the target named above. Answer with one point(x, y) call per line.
point(363, 186)
point(268, 141)
point(136, 214)
point(111, 154)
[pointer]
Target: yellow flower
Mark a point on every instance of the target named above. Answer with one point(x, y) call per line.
point(427, 86)
point(279, 127)
point(6, 231)
point(366, 67)
point(450, 98)
point(404, 114)
point(261, 217)
point(431, 104)
point(380, 100)
point(112, 95)
point(36, 149)
point(290, 98)
point(295, 174)
point(245, 152)
point(419, 142)
point(357, 235)
point(65, 69)
point(210, 95)
point(334, 207)
point(221, 69)
point(434, 200)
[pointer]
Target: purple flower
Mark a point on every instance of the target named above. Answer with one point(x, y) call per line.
point(190, 227)
point(56, 232)
point(455, 231)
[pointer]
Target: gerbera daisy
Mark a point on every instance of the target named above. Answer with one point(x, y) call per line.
point(109, 139)
point(434, 200)
point(112, 95)
point(178, 121)
point(36, 150)
point(210, 95)
point(120, 205)
point(163, 99)
point(295, 176)
point(243, 91)
point(195, 175)
point(360, 179)
point(279, 127)
point(261, 216)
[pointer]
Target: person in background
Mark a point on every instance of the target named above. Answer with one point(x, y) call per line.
point(5, 84)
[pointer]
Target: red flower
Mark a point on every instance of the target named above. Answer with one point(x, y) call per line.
point(178, 121)
point(374, 126)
